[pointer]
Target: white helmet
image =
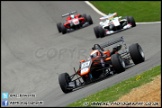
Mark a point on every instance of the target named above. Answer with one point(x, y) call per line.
point(101, 23)
point(72, 16)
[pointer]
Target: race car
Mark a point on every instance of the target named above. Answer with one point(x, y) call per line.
point(111, 24)
point(102, 63)
point(74, 21)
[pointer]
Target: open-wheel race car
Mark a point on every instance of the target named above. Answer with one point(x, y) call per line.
point(74, 21)
point(110, 24)
point(102, 63)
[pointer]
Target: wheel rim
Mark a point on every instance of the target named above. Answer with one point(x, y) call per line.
point(122, 62)
point(141, 52)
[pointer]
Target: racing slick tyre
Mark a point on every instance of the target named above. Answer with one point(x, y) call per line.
point(136, 53)
point(131, 20)
point(59, 27)
point(85, 17)
point(64, 80)
point(63, 29)
point(118, 63)
point(89, 19)
point(96, 32)
point(101, 31)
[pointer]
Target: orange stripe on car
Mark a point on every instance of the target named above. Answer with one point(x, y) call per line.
point(109, 58)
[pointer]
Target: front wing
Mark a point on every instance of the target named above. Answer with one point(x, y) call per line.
point(108, 32)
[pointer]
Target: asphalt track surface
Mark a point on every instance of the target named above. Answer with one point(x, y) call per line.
point(34, 53)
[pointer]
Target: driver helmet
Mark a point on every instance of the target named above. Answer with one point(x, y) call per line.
point(110, 18)
point(95, 53)
point(72, 16)
point(81, 61)
point(101, 23)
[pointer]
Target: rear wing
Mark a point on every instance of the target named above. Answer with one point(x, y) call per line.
point(73, 12)
point(64, 15)
point(111, 15)
point(70, 13)
point(114, 41)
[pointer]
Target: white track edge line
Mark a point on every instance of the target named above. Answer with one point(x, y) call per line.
point(102, 14)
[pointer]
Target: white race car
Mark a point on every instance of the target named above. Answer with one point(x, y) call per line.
point(110, 24)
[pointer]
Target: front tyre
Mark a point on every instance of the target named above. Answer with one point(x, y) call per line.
point(59, 27)
point(101, 31)
point(85, 17)
point(89, 19)
point(136, 53)
point(117, 63)
point(96, 32)
point(64, 80)
point(131, 20)
point(63, 29)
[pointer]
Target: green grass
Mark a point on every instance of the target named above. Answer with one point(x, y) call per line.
point(142, 11)
point(114, 92)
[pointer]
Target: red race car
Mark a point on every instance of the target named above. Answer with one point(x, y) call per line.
point(74, 21)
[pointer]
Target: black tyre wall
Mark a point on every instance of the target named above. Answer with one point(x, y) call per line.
point(96, 32)
point(136, 53)
point(85, 16)
point(64, 79)
point(63, 29)
point(131, 20)
point(117, 63)
point(101, 31)
point(59, 27)
point(89, 19)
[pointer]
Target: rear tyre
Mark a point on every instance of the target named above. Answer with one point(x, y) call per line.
point(131, 20)
point(118, 63)
point(59, 27)
point(63, 29)
point(96, 32)
point(136, 53)
point(89, 19)
point(64, 80)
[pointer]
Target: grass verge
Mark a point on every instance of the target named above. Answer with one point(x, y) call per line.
point(114, 92)
point(142, 11)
